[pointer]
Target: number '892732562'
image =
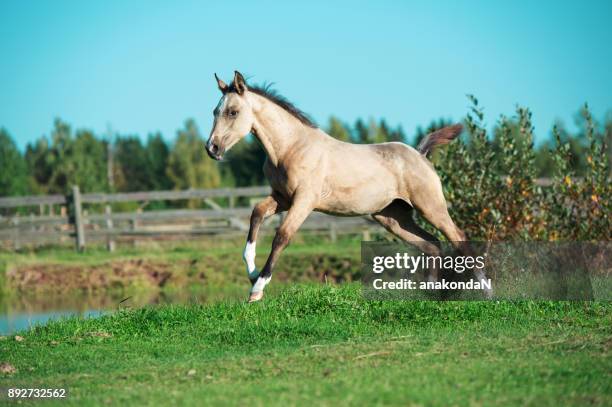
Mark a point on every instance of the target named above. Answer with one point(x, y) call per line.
point(30, 393)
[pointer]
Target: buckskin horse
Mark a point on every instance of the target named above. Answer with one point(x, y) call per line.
point(309, 170)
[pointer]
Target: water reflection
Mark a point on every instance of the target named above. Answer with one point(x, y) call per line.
point(14, 322)
point(24, 310)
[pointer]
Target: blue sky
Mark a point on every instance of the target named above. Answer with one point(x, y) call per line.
point(145, 66)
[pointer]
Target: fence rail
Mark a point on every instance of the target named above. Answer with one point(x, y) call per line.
point(84, 218)
point(36, 200)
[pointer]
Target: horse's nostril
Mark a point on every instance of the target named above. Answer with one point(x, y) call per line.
point(214, 149)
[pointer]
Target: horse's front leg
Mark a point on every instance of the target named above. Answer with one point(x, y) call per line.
point(297, 214)
point(271, 205)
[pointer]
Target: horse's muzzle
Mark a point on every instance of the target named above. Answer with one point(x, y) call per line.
point(214, 152)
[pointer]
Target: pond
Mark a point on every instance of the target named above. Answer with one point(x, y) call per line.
point(20, 311)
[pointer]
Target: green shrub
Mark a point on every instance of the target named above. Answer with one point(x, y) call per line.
point(490, 182)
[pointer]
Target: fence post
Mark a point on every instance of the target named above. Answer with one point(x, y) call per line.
point(16, 239)
point(333, 232)
point(110, 242)
point(78, 219)
point(134, 225)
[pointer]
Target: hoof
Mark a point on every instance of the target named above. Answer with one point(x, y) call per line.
point(254, 297)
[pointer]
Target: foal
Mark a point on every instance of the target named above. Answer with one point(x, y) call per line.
point(312, 171)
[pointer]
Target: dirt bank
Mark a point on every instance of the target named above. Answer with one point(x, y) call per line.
point(141, 272)
point(113, 274)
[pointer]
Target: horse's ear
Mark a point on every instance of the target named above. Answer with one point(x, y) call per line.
point(222, 85)
point(239, 83)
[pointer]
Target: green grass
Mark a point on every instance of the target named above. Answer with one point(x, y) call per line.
point(170, 251)
point(325, 345)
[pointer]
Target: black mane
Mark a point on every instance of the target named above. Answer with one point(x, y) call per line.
point(273, 96)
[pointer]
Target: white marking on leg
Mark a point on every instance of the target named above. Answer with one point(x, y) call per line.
point(260, 284)
point(249, 259)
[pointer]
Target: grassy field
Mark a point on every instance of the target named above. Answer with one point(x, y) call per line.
point(325, 345)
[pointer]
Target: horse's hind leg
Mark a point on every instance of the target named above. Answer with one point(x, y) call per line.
point(398, 219)
point(435, 212)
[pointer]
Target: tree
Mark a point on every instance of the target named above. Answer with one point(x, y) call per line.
point(362, 134)
point(57, 158)
point(67, 161)
point(157, 153)
point(188, 164)
point(131, 161)
point(398, 135)
point(13, 168)
point(381, 131)
point(88, 163)
point(39, 168)
point(377, 132)
point(338, 130)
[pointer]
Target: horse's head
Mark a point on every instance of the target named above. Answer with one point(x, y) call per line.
point(233, 117)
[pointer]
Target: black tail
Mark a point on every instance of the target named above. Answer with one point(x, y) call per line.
point(438, 138)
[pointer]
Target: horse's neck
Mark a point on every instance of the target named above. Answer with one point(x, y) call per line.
point(276, 129)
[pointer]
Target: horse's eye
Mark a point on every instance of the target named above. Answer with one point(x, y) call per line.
point(233, 113)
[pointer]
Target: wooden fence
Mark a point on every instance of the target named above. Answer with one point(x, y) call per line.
point(85, 218)
point(82, 218)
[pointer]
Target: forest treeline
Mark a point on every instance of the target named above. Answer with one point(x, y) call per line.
point(489, 176)
point(122, 163)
